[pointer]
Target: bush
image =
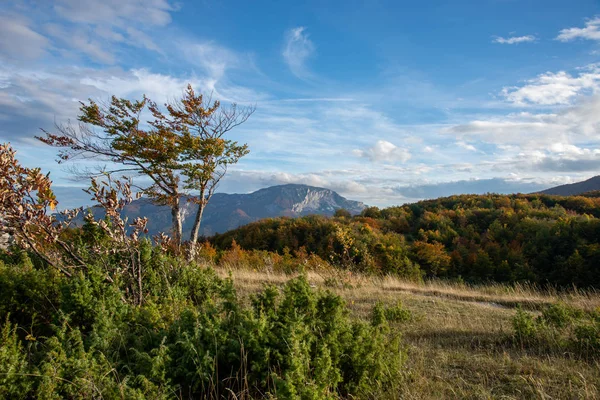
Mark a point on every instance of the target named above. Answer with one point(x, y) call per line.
point(559, 328)
point(14, 382)
point(524, 326)
point(192, 337)
point(397, 313)
point(587, 334)
point(559, 315)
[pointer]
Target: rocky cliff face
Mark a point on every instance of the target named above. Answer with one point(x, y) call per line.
point(229, 211)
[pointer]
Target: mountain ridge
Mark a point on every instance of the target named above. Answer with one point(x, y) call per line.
point(229, 211)
point(577, 188)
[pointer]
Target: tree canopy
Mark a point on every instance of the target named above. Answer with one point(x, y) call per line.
point(181, 149)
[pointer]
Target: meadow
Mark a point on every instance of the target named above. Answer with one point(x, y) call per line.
point(460, 339)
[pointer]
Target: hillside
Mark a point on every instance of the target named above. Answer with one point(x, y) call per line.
point(458, 339)
point(576, 188)
point(477, 238)
point(229, 211)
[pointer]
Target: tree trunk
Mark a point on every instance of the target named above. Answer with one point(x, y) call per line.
point(176, 220)
point(196, 227)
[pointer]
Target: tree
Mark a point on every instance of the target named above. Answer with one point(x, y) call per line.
point(180, 149)
point(25, 198)
point(27, 203)
point(342, 213)
point(151, 152)
point(371, 212)
point(432, 256)
point(205, 154)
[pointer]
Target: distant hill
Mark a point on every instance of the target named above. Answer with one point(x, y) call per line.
point(577, 188)
point(229, 211)
point(480, 238)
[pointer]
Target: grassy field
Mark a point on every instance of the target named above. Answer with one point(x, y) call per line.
point(459, 339)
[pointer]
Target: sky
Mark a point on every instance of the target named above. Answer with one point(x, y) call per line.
point(385, 102)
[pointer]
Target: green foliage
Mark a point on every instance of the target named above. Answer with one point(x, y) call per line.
point(314, 348)
point(192, 337)
point(350, 244)
point(559, 328)
point(587, 335)
point(559, 315)
point(342, 213)
point(14, 382)
point(397, 313)
point(524, 326)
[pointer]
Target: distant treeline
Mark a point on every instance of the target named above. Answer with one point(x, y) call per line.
point(506, 238)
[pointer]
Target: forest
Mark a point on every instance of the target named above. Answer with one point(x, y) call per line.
point(541, 239)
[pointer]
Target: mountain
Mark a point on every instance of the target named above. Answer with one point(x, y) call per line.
point(229, 211)
point(572, 189)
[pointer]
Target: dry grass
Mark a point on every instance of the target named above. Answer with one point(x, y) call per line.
point(458, 341)
point(498, 295)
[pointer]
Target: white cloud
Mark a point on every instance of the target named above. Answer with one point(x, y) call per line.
point(115, 12)
point(212, 58)
point(140, 39)
point(384, 151)
point(81, 41)
point(555, 88)
point(560, 157)
point(298, 48)
point(136, 82)
point(466, 146)
point(32, 99)
point(18, 40)
point(84, 27)
point(514, 39)
point(591, 31)
point(576, 124)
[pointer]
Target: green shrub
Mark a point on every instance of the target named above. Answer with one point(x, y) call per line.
point(587, 334)
point(559, 328)
point(397, 313)
point(524, 326)
point(559, 315)
point(192, 337)
point(14, 382)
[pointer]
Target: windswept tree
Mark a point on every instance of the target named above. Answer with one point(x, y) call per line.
point(113, 133)
point(181, 148)
point(206, 154)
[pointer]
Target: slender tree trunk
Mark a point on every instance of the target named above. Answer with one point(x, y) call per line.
point(196, 227)
point(176, 220)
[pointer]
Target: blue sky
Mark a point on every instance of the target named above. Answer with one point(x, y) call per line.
point(381, 101)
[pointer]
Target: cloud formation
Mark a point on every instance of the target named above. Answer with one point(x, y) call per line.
point(298, 48)
point(89, 28)
point(514, 39)
point(466, 146)
point(384, 151)
point(470, 186)
point(557, 88)
point(591, 31)
point(578, 123)
point(19, 41)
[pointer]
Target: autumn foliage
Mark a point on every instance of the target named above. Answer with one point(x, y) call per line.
point(180, 149)
point(26, 200)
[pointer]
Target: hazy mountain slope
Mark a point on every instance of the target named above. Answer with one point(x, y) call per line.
point(229, 211)
point(571, 189)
